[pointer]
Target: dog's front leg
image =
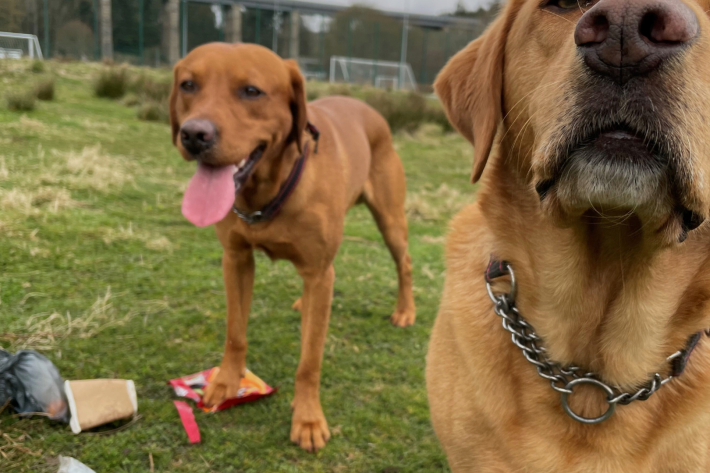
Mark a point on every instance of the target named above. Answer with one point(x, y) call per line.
point(238, 273)
point(309, 428)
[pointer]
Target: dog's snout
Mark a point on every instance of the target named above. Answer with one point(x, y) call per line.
point(197, 135)
point(626, 38)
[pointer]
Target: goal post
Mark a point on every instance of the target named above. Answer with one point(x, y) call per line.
point(18, 46)
point(383, 74)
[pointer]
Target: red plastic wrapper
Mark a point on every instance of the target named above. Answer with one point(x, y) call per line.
point(192, 387)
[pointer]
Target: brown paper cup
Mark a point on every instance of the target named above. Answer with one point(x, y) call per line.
point(97, 402)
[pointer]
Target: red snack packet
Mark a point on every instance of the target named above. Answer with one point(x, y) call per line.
point(192, 386)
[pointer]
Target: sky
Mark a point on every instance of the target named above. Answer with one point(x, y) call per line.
point(429, 7)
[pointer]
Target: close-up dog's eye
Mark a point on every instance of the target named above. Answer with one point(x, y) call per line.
point(188, 86)
point(250, 92)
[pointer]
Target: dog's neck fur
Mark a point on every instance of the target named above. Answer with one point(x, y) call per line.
point(596, 292)
point(268, 177)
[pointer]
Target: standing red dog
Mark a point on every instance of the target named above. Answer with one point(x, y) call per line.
point(290, 171)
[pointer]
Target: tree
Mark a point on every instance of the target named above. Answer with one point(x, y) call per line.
point(486, 14)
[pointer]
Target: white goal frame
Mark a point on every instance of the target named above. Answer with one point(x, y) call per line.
point(402, 77)
point(33, 48)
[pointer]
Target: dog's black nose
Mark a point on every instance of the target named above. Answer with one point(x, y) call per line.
point(622, 39)
point(197, 135)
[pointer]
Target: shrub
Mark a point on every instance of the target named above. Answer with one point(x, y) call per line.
point(436, 114)
point(153, 111)
point(44, 89)
point(21, 101)
point(403, 111)
point(131, 100)
point(37, 67)
point(112, 82)
point(151, 89)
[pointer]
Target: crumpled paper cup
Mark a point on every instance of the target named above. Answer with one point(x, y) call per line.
point(97, 402)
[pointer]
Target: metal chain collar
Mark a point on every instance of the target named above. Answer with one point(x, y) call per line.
point(563, 379)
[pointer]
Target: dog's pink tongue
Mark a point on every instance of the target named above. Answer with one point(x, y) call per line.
point(210, 195)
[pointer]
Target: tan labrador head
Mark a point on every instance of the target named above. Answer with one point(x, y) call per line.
point(604, 106)
point(236, 104)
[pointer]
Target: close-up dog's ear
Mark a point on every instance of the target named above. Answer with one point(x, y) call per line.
point(298, 103)
point(174, 125)
point(470, 88)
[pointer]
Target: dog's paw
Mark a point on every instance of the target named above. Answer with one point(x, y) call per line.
point(297, 305)
point(403, 318)
point(224, 386)
point(309, 429)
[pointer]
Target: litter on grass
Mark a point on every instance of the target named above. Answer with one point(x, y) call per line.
point(193, 387)
point(97, 402)
point(31, 384)
point(72, 465)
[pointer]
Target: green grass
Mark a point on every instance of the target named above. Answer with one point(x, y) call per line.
point(90, 226)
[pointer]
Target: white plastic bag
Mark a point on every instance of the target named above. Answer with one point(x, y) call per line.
point(72, 465)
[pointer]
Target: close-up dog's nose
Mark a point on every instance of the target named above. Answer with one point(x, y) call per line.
point(623, 39)
point(197, 135)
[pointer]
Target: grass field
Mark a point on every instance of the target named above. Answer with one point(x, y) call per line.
point(100, 271)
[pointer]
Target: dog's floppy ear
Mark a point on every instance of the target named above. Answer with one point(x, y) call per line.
point(470, 88)
point(298, 103)
point(174, 125)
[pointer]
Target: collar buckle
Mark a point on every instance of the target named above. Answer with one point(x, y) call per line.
point(249, 218)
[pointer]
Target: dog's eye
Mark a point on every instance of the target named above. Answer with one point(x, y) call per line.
point(250, 92)
point(188, 86)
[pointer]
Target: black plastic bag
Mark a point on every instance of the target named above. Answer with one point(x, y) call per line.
point(33, 384)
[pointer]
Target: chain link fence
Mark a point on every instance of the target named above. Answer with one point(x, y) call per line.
point(159, 32)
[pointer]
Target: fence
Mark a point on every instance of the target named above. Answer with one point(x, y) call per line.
point(159, 32)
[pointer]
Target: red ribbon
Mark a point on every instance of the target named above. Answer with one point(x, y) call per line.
point(188, 421)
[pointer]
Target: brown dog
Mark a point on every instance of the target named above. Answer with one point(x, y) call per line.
point(595, 116)
point(241, 112)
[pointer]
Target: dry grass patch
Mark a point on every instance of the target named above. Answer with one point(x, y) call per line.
point(13, 450)
point(435, 204)
point(4, 173)
point(31, 202)
point(90, 168)
point(151, 241)
point(45, 331)
point(432, 240)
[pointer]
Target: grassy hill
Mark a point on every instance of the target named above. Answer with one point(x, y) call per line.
point(100, 271)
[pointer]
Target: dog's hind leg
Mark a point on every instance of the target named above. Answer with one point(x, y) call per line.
point(309, 428)
point(238, 273)
point(384, 195)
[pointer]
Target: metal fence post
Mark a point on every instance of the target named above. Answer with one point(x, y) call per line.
point(350, 39)
point(446, 44)
point(183, 18)
point(106, 31)
point(289, 35)
point(274, 32)
point(376, 53)
point(403, 54)
point(257, 34)
point(321, 43)
point(97, 47)
point(224, 22)
point(140, 30)
point(46, 29)
point(422, 74)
